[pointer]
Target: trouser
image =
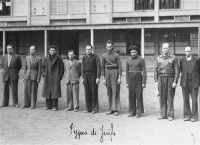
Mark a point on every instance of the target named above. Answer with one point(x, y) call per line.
point(166, 96)
point(52, 103)
point(73, 95)
point(13, 84)
point(91, 92)
point(187, 91)
point(135, 93)
point(30, 93)
point(113, 89)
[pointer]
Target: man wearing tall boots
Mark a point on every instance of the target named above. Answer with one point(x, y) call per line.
point(32, 75)
point(91, 72)
point(136, 81)
point(112, 71)
point(166, 78)
point(189, 69)
point(72, 77)
point(11, 64)
point(53, 73)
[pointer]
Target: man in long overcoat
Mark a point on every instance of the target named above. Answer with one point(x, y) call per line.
point(53, 73)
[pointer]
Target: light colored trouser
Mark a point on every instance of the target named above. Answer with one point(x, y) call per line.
point(73, 95)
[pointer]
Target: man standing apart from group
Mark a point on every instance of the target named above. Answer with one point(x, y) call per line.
point(53, 73)
point(136, 81)
point(32, 75)
point(91, 72)
point(11, 64)
point(190, 69)
point(166, 78)
point(112, 71)
point(72, 77)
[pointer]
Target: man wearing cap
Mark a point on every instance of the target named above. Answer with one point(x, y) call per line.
point(166, 78)
point(189, 70)
point(112, 71)
point(11, 64)
point(91, 72)
point(53, 73)
point(32, 75)
point(136, 81)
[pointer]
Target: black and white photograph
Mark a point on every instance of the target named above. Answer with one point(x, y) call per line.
point(99, 72)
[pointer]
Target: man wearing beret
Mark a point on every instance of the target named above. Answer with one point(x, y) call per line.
point(136, 81)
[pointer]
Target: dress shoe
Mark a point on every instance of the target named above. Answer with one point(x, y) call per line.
point(94, 112)
point(131, 115)
point(54, 109)
point(194, 120)
point(32, 107)
point(162, 117)
point(170, 118)
point(75, 110)
point(69, 109)
point(17, 106)
point(109, 112)
point(187, 119)
point(138, 115)
point(116, 114)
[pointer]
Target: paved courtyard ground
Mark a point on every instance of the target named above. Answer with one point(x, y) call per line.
point(41, 127)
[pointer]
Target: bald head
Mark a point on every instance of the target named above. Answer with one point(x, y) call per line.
point(165, 48)
point(188, 51)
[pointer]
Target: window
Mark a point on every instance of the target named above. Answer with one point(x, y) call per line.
point(169, 4)
point(5, 7)
point(144, 4)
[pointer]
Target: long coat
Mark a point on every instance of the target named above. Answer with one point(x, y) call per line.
point(195, 72)
point(53, 73)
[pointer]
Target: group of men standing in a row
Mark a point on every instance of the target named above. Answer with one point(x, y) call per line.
point(109, 66)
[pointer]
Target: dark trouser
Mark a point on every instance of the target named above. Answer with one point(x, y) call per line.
point(91, 92)
point(166, 96)
point(52, 103)
point(73, 95)
point(135, 93)
point(30, 93)
point(14, 90)
point(187, 91)
point(113, 89)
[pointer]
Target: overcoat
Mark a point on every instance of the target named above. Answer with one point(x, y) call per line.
point(52, 72)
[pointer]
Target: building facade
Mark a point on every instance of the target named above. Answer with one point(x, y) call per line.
point(71, 24)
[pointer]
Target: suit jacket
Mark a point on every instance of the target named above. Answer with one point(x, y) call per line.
point(12, 71)
point(195, 72)
point(32, 70)
point(72, 71)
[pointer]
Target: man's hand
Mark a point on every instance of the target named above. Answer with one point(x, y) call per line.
point(82, 80)
point(97, 81)
point(174, 85)
point(143, 86)
point(104, 81)
point(127, 85)
point(119, 80)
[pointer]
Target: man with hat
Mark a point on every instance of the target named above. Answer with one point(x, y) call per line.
point(189, 70)
point(53, 73)
point(136, 81)
point(166, 78)
point(112, 71)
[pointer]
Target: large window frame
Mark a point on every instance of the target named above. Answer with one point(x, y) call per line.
point(144, 4)
point(169, 4)
point(5, 7)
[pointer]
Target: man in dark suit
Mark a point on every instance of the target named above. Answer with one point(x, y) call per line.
point(91, 72)
point(136, 81)
point(72, 77)
point(189, 70)
point(53, 73)
point(32, 75)
point(11, 64)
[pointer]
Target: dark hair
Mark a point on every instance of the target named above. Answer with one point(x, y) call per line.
point(89, 45)
point(109, 42)
point(9, 45)
point(52, 46)
point(71, 50)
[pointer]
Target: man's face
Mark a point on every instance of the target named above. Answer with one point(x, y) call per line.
point(188, 53)
point(109, 46)
point(10, 49)
point(52, 51)
point(71, 55)
point(165, 50)
point(133, 53)
point(88, 50)
point(32, 50)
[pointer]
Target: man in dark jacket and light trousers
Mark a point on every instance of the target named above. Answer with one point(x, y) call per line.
point(189, 69)
point(91, 72)
point(11, 65)
point(136, 81)
point(53, 73)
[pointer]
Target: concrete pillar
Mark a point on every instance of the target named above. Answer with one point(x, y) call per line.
point(29, 13)
point(92, 37)
point(142, 42)
point(156, 10)
point(45, 42)
point(88, 11)
point(198, 42)
point(4, 42)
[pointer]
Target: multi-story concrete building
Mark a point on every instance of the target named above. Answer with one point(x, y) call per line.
point(71, 24)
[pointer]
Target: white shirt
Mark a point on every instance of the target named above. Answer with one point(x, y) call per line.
point(9, 59)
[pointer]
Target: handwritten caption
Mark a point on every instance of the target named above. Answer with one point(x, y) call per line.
point(102, 132)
